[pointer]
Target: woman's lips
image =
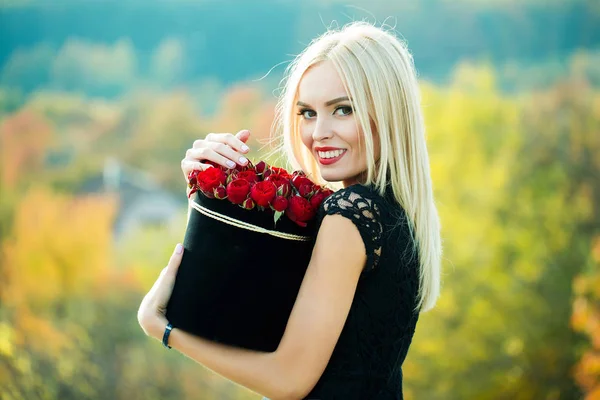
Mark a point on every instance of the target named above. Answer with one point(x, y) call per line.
point(329, 161)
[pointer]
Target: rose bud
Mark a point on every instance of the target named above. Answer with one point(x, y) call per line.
point(194, 190)
point(237, 191)
point(260, 167)
point(239, 168)
point(317, 199)
point(248, 175)
point(263, 193)
point(280, 203)
point(248, 204)
point(193, 177)
point(284, 190)
point(305, 190)
point(267, 173)
point(230, 177)
point(281, 172)
point(220, 192)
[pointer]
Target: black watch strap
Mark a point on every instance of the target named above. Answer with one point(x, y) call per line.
point(165, 340)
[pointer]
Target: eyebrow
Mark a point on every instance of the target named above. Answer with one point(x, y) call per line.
point(327, 104)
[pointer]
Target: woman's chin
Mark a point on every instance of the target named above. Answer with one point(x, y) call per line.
point(331, 177)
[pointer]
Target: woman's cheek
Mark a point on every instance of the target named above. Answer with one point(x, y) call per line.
point(306, 136)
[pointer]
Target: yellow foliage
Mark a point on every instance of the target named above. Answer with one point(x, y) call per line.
point(6, 340)
point(59, 249)
point(586, 319)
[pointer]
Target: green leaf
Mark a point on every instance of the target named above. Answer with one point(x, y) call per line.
point(277, 215)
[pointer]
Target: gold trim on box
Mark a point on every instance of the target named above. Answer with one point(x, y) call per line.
point(245, 225)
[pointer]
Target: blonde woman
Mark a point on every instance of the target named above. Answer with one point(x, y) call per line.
point(350, 114)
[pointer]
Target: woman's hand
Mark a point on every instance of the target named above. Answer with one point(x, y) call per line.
point(152, 312)
point(225, 149)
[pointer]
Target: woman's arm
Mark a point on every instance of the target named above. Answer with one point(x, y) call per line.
point(258, 371)
point(312, 331)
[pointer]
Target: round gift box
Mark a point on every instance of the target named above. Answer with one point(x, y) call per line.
point(237, 284)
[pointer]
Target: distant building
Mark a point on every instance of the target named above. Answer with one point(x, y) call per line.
point(142, 202)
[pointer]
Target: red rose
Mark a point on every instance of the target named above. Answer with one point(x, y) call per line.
point(281, 183)
point(209, 179)
point(317, 199)
point(299, 180)
point(237, 190)
point(248, 175)
point(299, 210)
point(280, 203)
point(263, 192)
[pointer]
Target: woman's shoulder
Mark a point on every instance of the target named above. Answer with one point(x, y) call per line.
point(367, 203)
point(361, 205)
point(357, 197)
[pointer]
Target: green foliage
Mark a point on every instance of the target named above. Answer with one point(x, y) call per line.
point(516, 183)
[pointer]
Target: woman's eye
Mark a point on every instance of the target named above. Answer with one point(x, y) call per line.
point(307, 114)
point(345, 110)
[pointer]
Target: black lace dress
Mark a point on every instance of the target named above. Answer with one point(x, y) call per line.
point(367, 359)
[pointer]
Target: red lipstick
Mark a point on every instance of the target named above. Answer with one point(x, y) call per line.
point(329, 161)
point(327, 148)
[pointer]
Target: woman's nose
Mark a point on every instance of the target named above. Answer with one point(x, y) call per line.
point(322, 131)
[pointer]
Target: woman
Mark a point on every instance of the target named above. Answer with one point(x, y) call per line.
point(350, 113)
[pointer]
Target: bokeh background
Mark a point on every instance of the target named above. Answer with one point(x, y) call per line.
point(100, 99)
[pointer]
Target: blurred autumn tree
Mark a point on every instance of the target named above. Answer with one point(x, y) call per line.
point(53, 267)
point(518, 189)
point(586, 319)
point(68, 296)
point(69, 327)
point(558, 200)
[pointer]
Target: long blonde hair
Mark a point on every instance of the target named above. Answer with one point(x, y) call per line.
point(379, 75)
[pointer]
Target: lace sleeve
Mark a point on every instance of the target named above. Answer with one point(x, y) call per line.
point(364, 212)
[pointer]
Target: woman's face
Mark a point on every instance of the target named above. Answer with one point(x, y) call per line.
point(328, 127)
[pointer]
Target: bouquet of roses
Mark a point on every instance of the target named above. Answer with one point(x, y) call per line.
point(246, 252)
point(262, 186)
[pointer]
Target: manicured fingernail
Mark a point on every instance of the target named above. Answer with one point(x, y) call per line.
point(179, 248)
point(243, 160)
point(245, 148)
point(231, 164)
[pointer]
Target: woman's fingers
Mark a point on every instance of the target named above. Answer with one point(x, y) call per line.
point(236, 142)
point(243, 136)
point(218, 152)
point(224, 149)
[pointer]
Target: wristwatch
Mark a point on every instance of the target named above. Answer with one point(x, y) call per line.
point(165, 340)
